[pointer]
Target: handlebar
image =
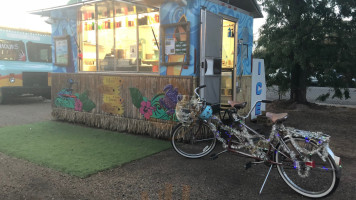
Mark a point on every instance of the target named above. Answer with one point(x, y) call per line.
point(202, 86)
point(263, 101)
point(249, 113)
point(198, 88)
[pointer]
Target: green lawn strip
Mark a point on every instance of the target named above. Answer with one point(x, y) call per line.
point(74, 149)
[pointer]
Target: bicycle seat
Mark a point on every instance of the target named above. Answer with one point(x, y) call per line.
point(277, 117)
point(237, 105)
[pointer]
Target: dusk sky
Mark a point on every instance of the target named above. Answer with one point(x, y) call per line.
point(15, 14)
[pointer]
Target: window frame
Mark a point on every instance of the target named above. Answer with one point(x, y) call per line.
point(66, 51)
point(49, 47)
point(96, 20)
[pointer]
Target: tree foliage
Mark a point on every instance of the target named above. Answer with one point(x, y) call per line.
point(309, 38)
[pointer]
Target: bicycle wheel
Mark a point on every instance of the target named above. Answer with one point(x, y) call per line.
point(314, 182)
point(193, 141)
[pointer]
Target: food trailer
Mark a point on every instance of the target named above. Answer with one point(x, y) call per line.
point(122, 63)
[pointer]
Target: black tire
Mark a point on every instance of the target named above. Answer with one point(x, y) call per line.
point(193, 141)
point(322, 180)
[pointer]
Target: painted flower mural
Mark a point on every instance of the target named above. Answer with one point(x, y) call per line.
point(78, 105)
point(78, 102)
point(170, 99)
point(146, 109)
point(161, 106)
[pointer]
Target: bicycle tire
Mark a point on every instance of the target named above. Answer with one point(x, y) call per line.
point(193, 141)
point(322, 180)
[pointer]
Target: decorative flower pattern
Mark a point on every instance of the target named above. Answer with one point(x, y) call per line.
point(146, 109)
point(78, 105)
point(161, 106)
point(170, 99)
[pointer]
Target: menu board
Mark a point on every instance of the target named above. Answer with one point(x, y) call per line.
point(62, 50)
point(110, 89)
point(176, 43)
point(181, 48)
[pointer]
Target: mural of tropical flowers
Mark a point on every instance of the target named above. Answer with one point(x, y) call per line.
point(78, 102)
point(146, 109)
point(170, 99)
point(161, 106)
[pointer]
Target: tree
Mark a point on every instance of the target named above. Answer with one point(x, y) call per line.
point(309, 38)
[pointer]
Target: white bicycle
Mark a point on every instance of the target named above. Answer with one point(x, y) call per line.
point(303, 158)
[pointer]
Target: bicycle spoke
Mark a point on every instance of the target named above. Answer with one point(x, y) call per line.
point(193, 141)
point(308, 175)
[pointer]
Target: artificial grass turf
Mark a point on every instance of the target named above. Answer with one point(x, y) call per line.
point(74, 149)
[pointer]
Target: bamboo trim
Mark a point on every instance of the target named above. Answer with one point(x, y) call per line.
point(115, 123)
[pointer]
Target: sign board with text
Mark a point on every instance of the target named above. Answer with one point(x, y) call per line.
point(258, 87)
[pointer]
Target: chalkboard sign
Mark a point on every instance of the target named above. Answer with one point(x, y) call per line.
point(181, 48)
point(61, 51)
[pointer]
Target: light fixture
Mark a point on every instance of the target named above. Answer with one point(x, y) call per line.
point(12, 78)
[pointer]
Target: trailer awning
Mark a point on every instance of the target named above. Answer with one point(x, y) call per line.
point(250, 6)
point(72, 8)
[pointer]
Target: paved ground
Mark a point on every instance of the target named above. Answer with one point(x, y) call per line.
point(315, 92)
point(24, 110)
point(167, 175)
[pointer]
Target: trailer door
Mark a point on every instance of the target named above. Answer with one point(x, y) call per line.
point(210, 55)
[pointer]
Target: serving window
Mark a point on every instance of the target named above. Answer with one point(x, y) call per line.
point(117, 36)
point(88, 39)
point(38, 52)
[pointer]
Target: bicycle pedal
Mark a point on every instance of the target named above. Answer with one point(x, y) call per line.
point(248, 165)
point(213, 156)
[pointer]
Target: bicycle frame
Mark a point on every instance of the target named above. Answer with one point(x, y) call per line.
point(233, 147)
point(287, 148)
point(274, 140)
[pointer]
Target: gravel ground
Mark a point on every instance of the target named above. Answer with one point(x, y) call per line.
point(167, 175)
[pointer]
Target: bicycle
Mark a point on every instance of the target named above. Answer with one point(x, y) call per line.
point(304, 159)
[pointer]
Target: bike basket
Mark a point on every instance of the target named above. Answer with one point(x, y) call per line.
point(187, 109)
point(206, 112)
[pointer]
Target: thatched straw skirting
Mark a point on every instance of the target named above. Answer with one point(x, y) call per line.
point(115, 123)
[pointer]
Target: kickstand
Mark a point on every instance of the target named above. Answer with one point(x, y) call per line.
point(215, 156)
point(266, 179)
